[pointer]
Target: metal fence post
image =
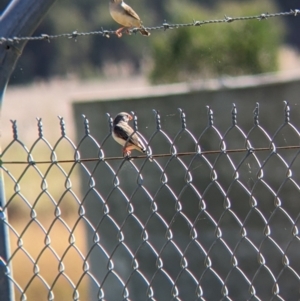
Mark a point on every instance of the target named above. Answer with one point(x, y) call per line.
point(19, 18)
point(6, 289)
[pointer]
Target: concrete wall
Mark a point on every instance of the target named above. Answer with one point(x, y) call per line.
point(270, 91)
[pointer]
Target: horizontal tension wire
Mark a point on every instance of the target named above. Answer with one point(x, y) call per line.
point(165, 26)
point(211, 152)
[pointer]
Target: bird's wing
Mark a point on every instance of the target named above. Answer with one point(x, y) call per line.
point(129, 11)
point(125, 132)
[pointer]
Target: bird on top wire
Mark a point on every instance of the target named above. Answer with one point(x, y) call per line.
point(126, 16)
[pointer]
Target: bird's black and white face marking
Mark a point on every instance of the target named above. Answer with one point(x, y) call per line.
point(122, 117)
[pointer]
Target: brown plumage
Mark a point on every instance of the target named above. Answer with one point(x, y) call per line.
point(126, 16)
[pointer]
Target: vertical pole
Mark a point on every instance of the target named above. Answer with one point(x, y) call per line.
point(6, 286)
point(20, 18)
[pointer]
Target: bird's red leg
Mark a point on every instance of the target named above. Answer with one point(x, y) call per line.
point(126, 152)
point(119, 32)
point(128, 32)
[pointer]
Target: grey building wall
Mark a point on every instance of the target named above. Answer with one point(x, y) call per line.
point(270, 92)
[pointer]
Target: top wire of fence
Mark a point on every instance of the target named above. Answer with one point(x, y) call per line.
point(165, 26)
point(78, 159)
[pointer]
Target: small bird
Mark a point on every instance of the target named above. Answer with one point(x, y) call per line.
point(126, 16)
point(124, 134)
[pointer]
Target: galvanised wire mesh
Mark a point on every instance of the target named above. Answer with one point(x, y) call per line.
point(219, 222)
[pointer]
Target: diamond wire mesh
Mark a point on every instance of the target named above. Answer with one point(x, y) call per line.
point(218, 223)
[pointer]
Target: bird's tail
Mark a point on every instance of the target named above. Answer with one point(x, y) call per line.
point(144, 150)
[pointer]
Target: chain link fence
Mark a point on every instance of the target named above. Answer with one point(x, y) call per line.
point(213, 216)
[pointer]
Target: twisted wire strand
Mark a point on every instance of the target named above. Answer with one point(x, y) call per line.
point(165, 26)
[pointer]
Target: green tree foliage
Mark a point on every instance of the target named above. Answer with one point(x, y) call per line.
point(87, 55)
point(237, 48)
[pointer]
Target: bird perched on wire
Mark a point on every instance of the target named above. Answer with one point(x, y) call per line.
point(126, 16)
point(124, 134)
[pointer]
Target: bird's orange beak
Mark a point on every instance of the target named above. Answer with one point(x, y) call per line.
point(130, 117)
